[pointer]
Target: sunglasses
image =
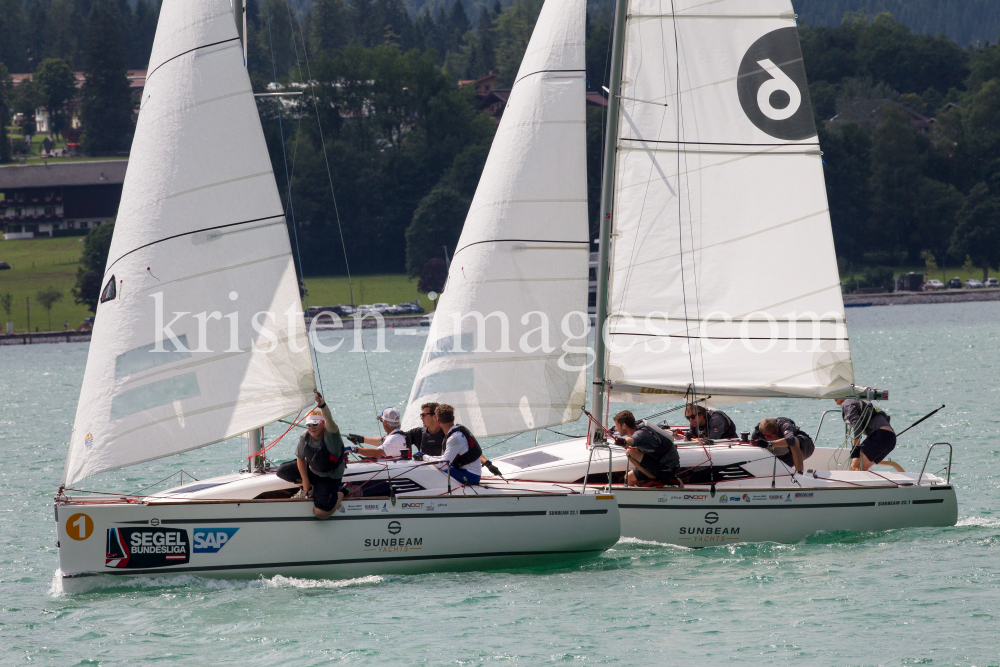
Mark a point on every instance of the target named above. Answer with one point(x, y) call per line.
point(690, 417)
point(317, 425)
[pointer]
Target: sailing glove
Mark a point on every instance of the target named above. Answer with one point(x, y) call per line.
point(492, 468)
point(620, 441)
point(351, 448)
point(418, 456)
point(355, 438)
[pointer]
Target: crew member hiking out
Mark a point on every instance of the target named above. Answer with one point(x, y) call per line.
point(649, 449)
point(705, 423)
point(320, 460)
point(392, 445)
point(789, 443)
point(462, 454)
point(864, 418)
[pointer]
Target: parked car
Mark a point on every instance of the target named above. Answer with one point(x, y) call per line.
point(4, 266)
point(932, 285)
point(381, 307)
point(341, 309)
point(972, 283)
point(365, 308)
point(955, 283)
point(992, 282)
point(412, 307)
point(395, 310)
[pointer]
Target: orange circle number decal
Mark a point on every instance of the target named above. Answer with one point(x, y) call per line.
point(79, 527)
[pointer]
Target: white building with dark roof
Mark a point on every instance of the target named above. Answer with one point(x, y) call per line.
point(66, 199)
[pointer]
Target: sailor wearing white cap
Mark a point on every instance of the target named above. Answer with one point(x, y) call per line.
point(392, 445)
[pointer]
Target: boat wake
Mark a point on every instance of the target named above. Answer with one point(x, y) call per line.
point(979, 522)
point(279, 581)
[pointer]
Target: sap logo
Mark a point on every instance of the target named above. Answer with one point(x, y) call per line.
point(210, 540)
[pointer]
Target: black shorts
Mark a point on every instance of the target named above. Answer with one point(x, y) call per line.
point(325, 490)
point(653, 466)
point(876, 446)
point(807, 446)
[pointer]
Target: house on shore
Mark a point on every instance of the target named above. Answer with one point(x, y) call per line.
point(62, 199)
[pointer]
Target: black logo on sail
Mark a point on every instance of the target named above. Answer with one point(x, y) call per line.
point(772, 87)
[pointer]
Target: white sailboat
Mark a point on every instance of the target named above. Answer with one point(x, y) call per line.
point(200, 337)
point(718, 278)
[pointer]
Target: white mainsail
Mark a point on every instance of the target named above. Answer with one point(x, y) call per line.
point(723, 276)
point(199, 335)
point(523, 255)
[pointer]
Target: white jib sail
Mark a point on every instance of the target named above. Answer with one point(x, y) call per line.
point(724, 274)
point(505, 347)
point(199, 335)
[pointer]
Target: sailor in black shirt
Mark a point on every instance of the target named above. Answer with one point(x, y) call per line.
point(705, 423)
point(429, 438)
point(788, 442)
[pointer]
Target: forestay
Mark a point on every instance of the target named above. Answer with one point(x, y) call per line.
point(498, 348)
point(724, 275)
point(199, 335)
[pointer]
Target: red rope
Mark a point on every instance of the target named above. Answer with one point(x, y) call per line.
point(295, 422)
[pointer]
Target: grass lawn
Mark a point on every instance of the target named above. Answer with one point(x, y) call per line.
point(42, 263)
point(391, 288)
point(39, 264)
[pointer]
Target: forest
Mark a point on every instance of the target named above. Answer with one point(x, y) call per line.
point(909, 122)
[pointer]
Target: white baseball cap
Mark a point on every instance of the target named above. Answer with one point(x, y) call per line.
point(312, 420)
point(390, 416)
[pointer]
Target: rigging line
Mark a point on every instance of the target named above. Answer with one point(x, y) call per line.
point(203, 46)
point(193, 231)
point(336, 210)
point(680, 205)
point(288, 184)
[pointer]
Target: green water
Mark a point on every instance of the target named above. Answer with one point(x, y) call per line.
point(927, 596)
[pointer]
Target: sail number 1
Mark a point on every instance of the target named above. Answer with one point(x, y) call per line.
point(79, 527)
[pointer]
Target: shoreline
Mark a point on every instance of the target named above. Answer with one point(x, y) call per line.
point(43, 337)
point(911, 298)
point(850, 300)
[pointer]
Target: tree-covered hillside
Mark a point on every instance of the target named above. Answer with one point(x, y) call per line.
point(965, 21)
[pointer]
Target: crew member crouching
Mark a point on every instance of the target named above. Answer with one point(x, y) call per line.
point(320, 460)
point(788, 442)
point(650, 450)
point(462, 453)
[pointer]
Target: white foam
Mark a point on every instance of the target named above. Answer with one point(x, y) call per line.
point(986, 522)
point(280, 581)
point(647, 543)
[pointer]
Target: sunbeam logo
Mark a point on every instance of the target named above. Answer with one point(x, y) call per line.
point(772, 87)
point(210, 540)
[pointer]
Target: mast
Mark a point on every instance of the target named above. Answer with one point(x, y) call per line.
point(255, 437)
point(607, 206)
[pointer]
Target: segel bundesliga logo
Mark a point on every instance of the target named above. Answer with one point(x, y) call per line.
point(137, 548)
point(210, 540)
point(772, 87)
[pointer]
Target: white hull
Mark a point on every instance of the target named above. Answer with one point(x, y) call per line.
point(742, 505)
point(219, 535)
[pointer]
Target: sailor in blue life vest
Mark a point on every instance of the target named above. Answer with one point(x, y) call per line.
point(320, 460)
point(392, 445)
point(880, 438)
point(462, 452)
